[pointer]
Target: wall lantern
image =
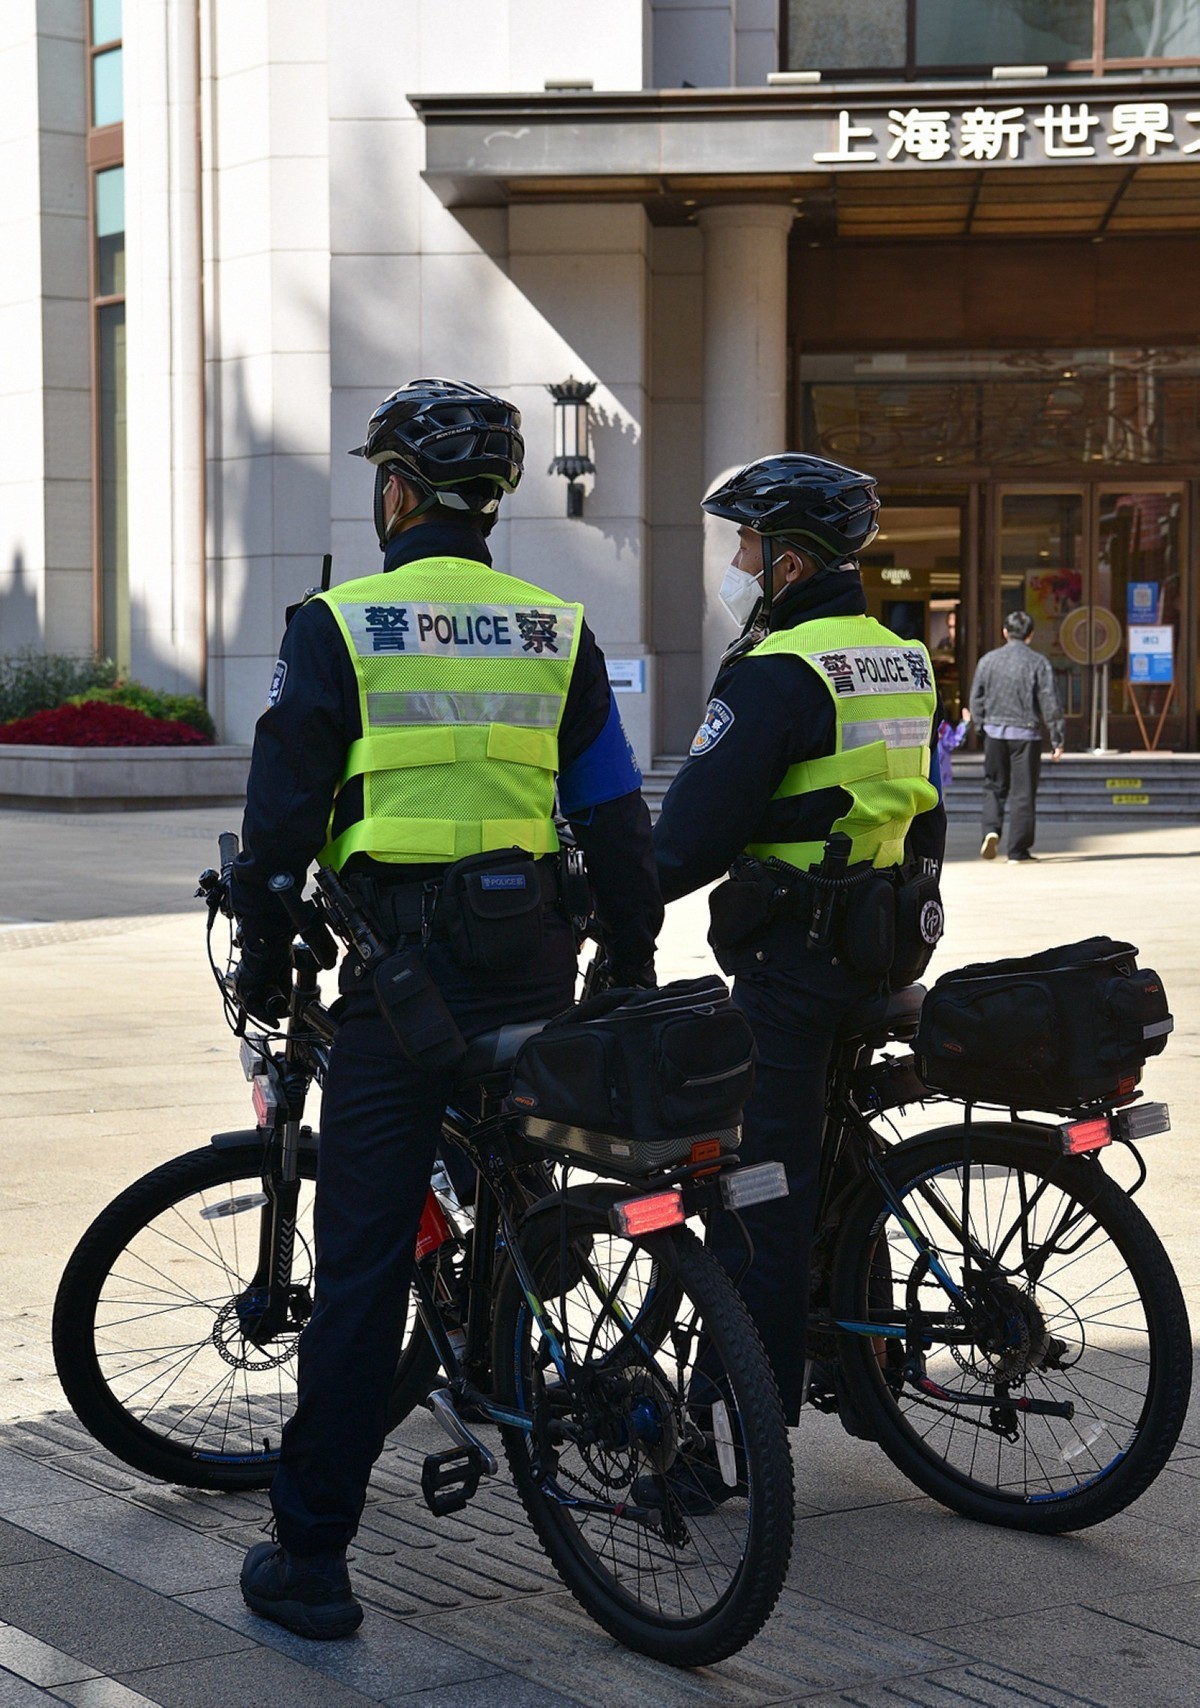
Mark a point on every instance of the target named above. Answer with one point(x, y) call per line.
point(572, 437)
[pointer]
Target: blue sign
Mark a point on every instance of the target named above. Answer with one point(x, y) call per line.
point(1141, 602)
point(1148, 667)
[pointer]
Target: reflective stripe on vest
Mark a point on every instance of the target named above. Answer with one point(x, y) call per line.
point(884, 700)
point(462, 677)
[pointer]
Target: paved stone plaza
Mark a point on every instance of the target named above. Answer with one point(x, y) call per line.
point(115, 1591)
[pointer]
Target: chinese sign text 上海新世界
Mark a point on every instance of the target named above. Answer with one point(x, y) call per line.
point(1055, 130)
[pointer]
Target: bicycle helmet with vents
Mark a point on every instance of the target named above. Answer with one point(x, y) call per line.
point(461, 447)
point(824, 509)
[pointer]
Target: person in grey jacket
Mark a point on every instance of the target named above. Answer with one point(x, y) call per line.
point(1012, 696)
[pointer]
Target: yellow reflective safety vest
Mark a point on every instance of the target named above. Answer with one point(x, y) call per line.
point(462, 678)
point(884, 700)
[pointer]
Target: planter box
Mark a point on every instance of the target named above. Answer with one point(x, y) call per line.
point(115, 779)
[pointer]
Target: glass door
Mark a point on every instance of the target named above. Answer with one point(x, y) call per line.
point(1137, 576)
point(1042, 549)
point(913, 577)
point(1115, 547)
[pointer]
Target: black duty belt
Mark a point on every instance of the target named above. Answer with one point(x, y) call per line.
point(411, 910)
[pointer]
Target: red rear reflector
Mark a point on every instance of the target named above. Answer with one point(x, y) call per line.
point(645, 1215)
point(266, 1103)
point(706, 1150)
point(434, 1230)
point(1127, 1086)
point(1079, 1136)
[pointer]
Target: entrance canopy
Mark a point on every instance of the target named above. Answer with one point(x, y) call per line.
point(1059, 156)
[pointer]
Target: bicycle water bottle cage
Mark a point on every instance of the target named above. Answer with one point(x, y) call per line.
point(450, 1479)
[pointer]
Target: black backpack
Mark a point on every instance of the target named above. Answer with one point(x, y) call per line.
point(1059, 1030)
point(634, 1079)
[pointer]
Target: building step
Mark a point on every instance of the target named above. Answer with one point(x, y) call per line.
point(1081, 785)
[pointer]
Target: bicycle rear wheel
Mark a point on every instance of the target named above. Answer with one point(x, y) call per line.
point(669, 1409)
point(1072, 1300)
point(148, 1343)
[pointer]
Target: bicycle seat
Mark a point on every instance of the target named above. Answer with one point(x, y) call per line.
point(893, 1015)
point(488, 1052)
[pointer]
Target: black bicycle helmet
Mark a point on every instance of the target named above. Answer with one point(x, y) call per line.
point(460, 446)
point(826, 510)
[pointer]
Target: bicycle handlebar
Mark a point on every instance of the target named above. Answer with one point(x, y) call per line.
point(309, 926)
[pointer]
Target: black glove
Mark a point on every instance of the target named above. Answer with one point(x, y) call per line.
point(602, 975)
point(637, 978)
point(263, 979)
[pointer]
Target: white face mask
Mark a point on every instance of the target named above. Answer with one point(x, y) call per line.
point(739, 594)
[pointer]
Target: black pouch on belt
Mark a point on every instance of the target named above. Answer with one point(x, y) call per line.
point(920, 922)
point(743, 904)
point(491, 906)
point(868, 927)
point(416, 1011)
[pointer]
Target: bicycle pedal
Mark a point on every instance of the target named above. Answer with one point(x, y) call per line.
point(450, 1479)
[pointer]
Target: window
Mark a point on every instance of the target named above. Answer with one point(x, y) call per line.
point(1152, 29)
point(1002, 32)
point(939, 38)
point(110, 532)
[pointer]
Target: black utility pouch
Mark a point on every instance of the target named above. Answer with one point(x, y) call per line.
point(920, 922)
point(747, 901)
point(416, 1011)
point(491, 906)
point(868, 933)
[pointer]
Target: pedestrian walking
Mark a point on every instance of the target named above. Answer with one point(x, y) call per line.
point(1012, 696)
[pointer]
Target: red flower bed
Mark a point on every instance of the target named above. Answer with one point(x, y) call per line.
point(95, 724)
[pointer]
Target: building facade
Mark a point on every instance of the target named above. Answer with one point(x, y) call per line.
point(948, 241)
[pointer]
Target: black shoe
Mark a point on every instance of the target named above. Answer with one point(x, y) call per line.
point(1022, 859)
point(694, 1487)
point(309, 1594)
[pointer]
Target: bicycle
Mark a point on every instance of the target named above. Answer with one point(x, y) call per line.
point(637, 1410)
point(988, 1304)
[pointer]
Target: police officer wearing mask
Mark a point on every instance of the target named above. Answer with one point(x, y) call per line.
point(821, 720)
point(417, 717)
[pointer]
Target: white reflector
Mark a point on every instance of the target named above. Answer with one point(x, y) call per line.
point(742, 1186)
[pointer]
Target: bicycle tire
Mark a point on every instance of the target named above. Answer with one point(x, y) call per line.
point(1061, 1328)
point(599, 1556)
point(119, 1403)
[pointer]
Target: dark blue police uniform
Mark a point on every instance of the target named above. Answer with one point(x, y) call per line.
point(766, 715)
point(381, 1117)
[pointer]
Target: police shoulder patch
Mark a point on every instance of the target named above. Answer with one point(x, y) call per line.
point(717, 719)
point(278, 679)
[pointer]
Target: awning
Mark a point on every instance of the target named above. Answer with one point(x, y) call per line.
point(1061, 156)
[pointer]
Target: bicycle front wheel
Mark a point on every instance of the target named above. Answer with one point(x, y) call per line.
point(656, 1471)
point(1064, 1366)
point(149, 1344)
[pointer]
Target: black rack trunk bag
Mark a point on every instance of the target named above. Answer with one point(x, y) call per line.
point(632, 1080)
point(1058, 1030)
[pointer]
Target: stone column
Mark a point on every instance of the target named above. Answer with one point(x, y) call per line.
point(745, 373)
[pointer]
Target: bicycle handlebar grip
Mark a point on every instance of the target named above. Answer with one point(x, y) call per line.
point(309, 926)
point(227, 848)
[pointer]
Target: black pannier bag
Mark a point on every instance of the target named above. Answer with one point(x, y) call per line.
point(1055, 1031)
point(633, 1079)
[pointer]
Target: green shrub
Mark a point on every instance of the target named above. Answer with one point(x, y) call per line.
point(174, 708)
point(39, 681)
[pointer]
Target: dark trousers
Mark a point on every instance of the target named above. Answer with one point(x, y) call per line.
point(1010, 775)
point(794, 1014)
point(380, 1124)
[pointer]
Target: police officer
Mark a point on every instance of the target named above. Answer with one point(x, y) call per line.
point(416, 717)
point(821, 720)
